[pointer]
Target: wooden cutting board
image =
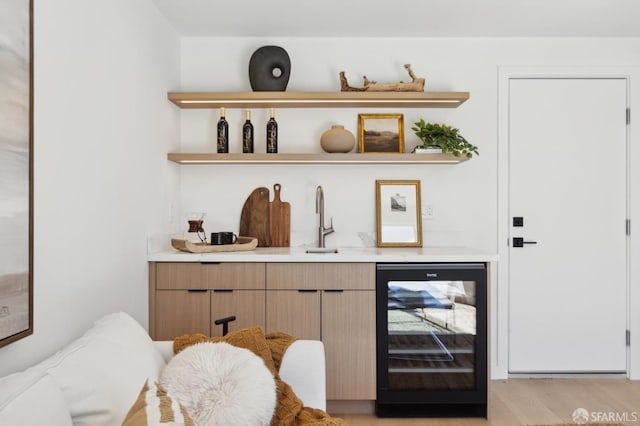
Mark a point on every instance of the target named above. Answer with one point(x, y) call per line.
point(279, 220)
point(254, 218)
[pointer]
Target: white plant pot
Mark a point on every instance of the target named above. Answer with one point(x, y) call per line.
point(430, 150)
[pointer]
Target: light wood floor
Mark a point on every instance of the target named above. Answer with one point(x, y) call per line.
point(538, 402)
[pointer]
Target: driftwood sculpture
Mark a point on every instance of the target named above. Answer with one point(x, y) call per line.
point(416, 84)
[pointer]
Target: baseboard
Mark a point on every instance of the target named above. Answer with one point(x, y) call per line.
point(567, 376)
point(337, 407)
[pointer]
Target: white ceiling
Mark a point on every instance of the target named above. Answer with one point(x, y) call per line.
point(404, 18)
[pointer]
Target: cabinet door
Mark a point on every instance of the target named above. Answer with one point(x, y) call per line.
point(234, 275)
point(349, 336)
point(180, 276)
point(248, 306)
point(181, 312)
point(294, 312)
point(187, 275)
point(321, 276)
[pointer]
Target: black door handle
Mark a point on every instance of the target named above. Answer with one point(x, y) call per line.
point(520, 242)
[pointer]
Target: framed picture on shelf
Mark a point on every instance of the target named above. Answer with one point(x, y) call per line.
point(16, 170)
point(398, 215)
point(383, 133)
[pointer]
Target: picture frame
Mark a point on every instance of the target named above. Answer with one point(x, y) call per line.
point(398, 213)
point(381, 133)
point(16, 172)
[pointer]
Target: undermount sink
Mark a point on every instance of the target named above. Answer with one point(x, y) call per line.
point(322, 250)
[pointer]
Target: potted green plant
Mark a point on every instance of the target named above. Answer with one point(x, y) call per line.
point(447, 138)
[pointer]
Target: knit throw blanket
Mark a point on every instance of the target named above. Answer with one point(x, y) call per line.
point(271, 348)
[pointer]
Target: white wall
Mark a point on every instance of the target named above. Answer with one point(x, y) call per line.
point(349, 190)
point(102, 183)
point(464, 196)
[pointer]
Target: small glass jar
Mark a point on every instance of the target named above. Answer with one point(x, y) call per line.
point(195, 232)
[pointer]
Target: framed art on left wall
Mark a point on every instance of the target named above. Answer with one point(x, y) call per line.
point(16, 170)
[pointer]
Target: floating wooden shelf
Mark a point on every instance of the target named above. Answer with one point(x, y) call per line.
point(350, 158)
point(318, 99)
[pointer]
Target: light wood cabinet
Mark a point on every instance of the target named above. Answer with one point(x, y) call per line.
point(349, 334)
point(209, 276)
point(248, 306)
point(295, 312)
point(187, 298)
point(332, 302)
point(321, 276)
point(179, 312)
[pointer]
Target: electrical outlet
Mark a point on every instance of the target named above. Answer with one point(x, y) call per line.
point(428, 212)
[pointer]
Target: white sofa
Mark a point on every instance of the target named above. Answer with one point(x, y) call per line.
point(95, 379)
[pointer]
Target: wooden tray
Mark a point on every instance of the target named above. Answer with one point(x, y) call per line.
point(243, 244)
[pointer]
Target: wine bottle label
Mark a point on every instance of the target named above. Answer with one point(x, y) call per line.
point(247, 138)
point(272, 137)
point(223, 137)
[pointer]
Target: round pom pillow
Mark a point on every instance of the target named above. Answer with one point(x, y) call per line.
point(220, 384)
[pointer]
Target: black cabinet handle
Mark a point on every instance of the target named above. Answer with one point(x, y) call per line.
point(223, 290)
point(333, 291)
point(197, 290)
point(307, 291)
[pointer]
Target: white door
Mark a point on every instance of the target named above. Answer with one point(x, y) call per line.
point(567, 181)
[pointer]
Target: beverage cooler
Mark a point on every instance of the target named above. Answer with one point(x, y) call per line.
point(432, 340)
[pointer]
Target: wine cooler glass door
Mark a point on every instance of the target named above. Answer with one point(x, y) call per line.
point(432, 334)
point(432, 330)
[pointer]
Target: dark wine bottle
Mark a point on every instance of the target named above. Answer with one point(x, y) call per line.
point(272, 133)
point(223, 133)
point(247, 135)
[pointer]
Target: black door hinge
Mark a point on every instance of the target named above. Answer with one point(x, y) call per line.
point(628, 338)
point(628, 115)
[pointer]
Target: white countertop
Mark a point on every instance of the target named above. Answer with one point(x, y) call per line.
point(345, 254)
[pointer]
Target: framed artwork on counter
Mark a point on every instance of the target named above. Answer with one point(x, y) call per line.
point(398, 213)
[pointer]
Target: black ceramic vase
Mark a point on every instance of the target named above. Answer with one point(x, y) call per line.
point(269, 69)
